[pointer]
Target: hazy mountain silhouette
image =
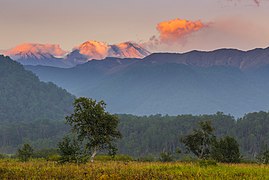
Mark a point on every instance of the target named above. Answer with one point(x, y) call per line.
point(196, 82)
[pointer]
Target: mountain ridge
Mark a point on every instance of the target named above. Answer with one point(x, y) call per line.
point(172, 83)
point(53, 55)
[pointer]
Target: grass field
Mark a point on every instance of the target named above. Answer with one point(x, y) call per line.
point(38, 169)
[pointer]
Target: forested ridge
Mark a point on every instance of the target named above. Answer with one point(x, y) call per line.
point(29, 106)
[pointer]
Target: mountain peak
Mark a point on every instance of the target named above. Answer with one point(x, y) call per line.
point(37, 51)
point(94, 49)
point(100, 50)
point(131, 50)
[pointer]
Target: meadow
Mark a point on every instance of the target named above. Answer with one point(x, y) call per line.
point(42, 169)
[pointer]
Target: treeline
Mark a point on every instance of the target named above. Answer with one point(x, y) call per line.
point(147, 135)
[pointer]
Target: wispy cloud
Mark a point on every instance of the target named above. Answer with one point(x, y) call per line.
point(257, 2)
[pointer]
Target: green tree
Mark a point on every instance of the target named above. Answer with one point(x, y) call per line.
point(71, 150)
point(200, 141)
point(25, 153)
point(226, 150)
point(93, 125)
point(263, 156)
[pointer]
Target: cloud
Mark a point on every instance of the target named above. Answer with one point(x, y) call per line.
point(173, 32)
point(229, 32)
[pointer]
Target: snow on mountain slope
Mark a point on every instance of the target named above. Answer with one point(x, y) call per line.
point(99, 50)
point(53, 55)
point(36, 51)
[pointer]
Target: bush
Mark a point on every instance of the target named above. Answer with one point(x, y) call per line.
point(70, 150)
point(25, 153)
point(3, 156)
point(206, 163)
point(45, 153)
point(189, 159)
point(149, 158)
point(166, 157)
point(226, 150)
point(120, 157)
point(263, 157)
point(54, 157)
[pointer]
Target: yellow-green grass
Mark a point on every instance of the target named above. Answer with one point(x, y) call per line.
point(40, 169)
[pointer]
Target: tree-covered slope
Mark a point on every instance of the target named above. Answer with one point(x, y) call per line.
point(144, 87)
point(30, 110)
point(24, 98)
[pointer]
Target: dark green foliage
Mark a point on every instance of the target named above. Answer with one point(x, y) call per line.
point(25, 153)
point(45, 153)
point(71, 150)
point(94, 125)
point(204, 145)
point(118, 157)
point(200, 141)
point(263, 156)
point(148, 158)
point(207, 162)
point(253, 132)
point(140, 134)
point(3, 156)
point(42, 134)
point(29, 108)
point(166, 157)
point(24, 98)
point(226, 150)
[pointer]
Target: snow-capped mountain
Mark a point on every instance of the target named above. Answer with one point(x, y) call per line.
point(128, 50)
point(36, 51)
point(99, 50)
point(53, 55)
point(38, 54)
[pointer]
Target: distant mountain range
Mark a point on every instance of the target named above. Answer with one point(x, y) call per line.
point(227, 80)
point(53, 55)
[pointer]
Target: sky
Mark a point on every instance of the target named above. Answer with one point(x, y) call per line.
point(158, 25)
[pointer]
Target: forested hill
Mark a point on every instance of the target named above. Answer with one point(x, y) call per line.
point(24, 98)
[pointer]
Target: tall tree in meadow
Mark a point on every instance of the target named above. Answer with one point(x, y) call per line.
point(93, 125)
point(200, 141)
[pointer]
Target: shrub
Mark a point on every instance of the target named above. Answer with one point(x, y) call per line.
point(149, 158)
point(25, 153)
point(54, 157)
point(120, 157)
point(71, 150)
point(45, 153)
point(166, 157)
point(206, 163)
point(3, 156)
